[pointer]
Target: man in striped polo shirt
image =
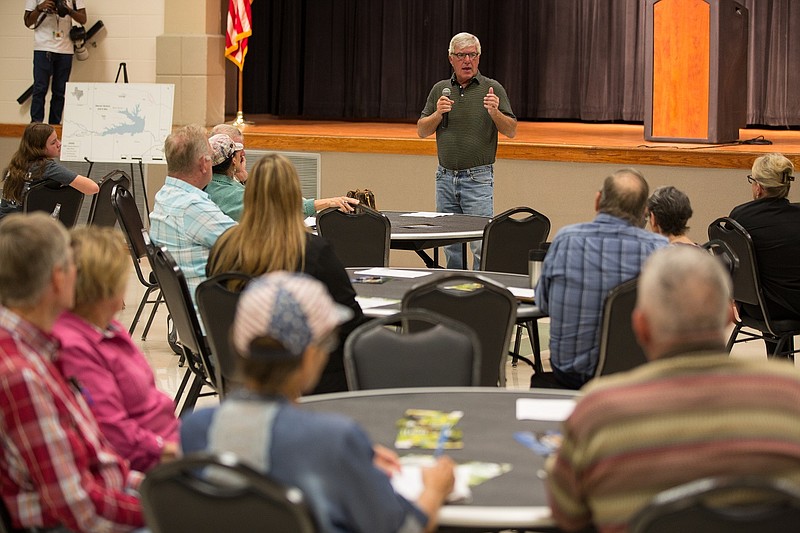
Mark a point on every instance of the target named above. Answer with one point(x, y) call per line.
point(691, 412)
point(466, 127)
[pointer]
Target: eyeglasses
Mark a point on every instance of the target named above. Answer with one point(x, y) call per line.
point(751, 179)
point(463, 55)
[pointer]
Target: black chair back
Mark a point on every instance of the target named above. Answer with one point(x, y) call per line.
point(508, 238)
point(101, 212)
point(619, 349)
point(759, 504)
point(486, 307)
point(746, 286)
point(723, 253)
point(447, 354)
point(360, 238)
point(217, 298)
point(46, 195)
point(747, 290)
point(176, 295)
point(206, 493)
point(132, 226)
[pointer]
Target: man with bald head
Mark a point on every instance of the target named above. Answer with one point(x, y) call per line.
point(691, 412)
point(586, 261)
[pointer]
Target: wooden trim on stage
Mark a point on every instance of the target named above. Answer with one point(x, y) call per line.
point(618, 144)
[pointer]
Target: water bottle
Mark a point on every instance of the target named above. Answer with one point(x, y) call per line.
point(535, 259)
point(56, 212)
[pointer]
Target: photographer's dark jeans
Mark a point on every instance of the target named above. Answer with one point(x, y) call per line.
point(49, 66)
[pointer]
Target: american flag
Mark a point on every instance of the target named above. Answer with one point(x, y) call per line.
point(238, 31)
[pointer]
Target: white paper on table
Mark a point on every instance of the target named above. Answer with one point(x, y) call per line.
point(392, 273)
point(555, 410)
point(310, 221)
point(371, 302)
point(425, 214)
point(408, 482)
point(520, 292)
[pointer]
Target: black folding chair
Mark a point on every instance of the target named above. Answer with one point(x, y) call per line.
point(197, 355)
point(131, 223)
point(447, 354)
point(485, 306)
point(207, 493)
point(360, 238)
point(50, 197)
point(507, 239)
point(761, 505)
point(619, 349)
point(217, 298)
point(101, 212)
point(747, 290)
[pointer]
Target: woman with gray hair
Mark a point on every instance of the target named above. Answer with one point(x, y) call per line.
point(773, 225)
point(668, 212)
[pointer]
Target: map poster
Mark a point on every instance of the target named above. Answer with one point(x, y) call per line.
point(116, 122)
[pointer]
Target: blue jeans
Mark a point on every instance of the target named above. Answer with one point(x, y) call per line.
point(49, 66)
point(468, 192)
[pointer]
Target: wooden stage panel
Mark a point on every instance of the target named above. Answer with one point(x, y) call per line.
point(544, 141)
point(673, 87)
point(621, 144)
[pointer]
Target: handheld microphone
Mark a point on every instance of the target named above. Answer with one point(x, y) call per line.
point(445, 116)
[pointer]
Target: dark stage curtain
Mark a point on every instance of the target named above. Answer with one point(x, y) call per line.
point(558, 59)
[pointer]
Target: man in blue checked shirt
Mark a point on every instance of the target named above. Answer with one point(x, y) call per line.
point(184, 219)
point(584, 262)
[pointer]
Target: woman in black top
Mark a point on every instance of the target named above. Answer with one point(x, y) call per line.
point(33, 162)
point(774, 225)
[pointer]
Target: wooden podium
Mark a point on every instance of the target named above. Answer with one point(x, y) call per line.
point(695, 70)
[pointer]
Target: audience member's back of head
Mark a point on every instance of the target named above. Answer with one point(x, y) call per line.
point(624, 195)
point(183, 147)
point(102, 262)
point(774, 172)
point(671, 209)
point(685, 294)
point(31, 247)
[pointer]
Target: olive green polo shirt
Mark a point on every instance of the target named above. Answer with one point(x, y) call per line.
point(470, 139)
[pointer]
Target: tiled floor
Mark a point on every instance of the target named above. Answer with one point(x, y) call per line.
point(168, 374)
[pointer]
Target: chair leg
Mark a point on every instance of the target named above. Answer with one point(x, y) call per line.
point(192, 395)
point(517, 342)
point(139, 309)
point(182, 386)
point(155, 303)
point(732, 338)
point(533, 336)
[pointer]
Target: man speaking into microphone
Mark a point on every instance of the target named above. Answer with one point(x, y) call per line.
point(466, 111)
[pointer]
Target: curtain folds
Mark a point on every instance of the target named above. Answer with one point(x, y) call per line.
point(558, 59)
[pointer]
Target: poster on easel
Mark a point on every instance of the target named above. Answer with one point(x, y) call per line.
point(117, 122)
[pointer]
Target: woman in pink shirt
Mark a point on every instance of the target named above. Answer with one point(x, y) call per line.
point(99, 356)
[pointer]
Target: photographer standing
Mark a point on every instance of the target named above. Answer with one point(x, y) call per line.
point(51, 21)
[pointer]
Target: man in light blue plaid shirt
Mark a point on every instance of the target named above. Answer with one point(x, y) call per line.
point(584, 262)
point(184, 219)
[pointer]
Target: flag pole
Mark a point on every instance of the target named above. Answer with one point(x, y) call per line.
point(239, 114)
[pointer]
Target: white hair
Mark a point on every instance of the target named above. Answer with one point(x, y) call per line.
point(684, 292)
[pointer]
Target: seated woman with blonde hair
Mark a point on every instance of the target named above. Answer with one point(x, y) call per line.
point(271, 236)
point(773, 222)
point(98, 355)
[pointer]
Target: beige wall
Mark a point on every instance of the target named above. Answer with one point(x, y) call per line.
point(129, 36)
point(562, 191)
